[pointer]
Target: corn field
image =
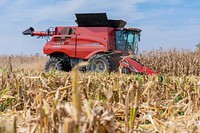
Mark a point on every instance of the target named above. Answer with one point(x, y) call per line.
point(173, 62)
point(32, 100)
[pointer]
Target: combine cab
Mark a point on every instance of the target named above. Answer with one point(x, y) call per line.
point(102, 42)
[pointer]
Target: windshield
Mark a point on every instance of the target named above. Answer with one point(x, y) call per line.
point(132, 42)
point(127, 41)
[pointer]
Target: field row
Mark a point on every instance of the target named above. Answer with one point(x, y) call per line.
point(172, 62)
point(89, 102)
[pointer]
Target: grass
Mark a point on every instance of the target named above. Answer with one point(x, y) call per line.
point(32, 100)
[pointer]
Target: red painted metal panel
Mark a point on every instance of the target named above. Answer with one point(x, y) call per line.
point(83, 43)
point(135, 66)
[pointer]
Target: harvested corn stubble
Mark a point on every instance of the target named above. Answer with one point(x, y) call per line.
point(38, 101)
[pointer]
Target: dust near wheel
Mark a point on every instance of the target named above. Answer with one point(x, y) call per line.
point(100, 63)
point(54, 63)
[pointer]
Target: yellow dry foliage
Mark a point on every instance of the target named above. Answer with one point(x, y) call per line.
point(37, 101)
point(173, 62)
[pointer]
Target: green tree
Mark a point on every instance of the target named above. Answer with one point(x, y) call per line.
point(198, 46)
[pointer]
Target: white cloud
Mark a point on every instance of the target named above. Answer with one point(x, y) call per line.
point(57, 12)
point(22, 10)
point(20, 14)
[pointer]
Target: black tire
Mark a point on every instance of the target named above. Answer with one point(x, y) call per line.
point(126, 70)
point(67, 67)
point(54, 63)
point(100, 63)
point(113, 67)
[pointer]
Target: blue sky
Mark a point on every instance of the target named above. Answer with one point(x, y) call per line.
point(164, 23)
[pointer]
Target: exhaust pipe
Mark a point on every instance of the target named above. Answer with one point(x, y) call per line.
point(28, 31)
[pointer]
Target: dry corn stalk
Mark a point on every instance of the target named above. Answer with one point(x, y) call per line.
point(174, 99)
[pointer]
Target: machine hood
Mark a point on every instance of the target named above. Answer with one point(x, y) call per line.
point(97, 20)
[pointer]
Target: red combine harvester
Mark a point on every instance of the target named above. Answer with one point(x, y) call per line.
point(104, 43)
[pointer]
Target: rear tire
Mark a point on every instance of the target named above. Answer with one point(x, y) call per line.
point(100, 63)
point(54, 63)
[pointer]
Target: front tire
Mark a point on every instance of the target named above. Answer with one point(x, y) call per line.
point(54, 63)
point(100, 63)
